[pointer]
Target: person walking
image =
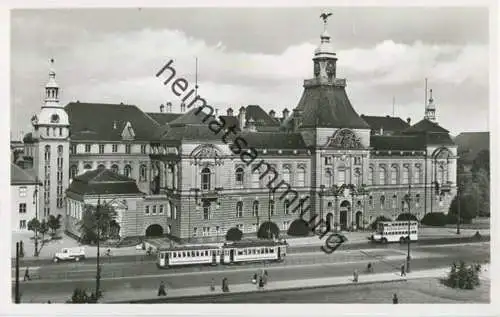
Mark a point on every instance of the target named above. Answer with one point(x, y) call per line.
point(27, 274)
point(261, 282)
point(403, 272)
point(395, 299)
point(161, 289)
point(212, 285)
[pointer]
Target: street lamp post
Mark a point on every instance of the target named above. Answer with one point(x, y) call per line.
point(322, 187)
point(218, 205)
point(36, 217)
point(98, 275)
point(408, 200)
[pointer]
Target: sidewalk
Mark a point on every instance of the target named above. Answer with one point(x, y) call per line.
point(52, 247)
point(145, 294)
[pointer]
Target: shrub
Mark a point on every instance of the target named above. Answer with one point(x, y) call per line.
point(437, 219)
point(405, 216)
point(268, 230)
point(299, 228)
point(463, 276)
point(373, 226)
point(80, 296)
point(234, 234)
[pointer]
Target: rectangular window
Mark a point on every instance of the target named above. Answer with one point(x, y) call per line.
point(143, 149)
point(147, 210)
point(101, 148)
point(127, 148)
point(154, 210)
point(22, 224)
point(22, 208)
point(195, 231)
point(87, 148)
point(357, 160)
point(22, 191)
point(161, 210)
point(115, 148)
point(72, 149)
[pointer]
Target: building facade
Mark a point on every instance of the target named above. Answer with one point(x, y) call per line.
point(204, 173)
point(23, 193)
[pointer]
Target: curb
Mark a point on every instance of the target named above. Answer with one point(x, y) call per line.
point(298, 288)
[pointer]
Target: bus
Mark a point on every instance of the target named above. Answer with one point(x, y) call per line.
point(229, 253)
point(394, 231)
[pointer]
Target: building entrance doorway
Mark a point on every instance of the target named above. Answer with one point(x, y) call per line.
point(345, 208)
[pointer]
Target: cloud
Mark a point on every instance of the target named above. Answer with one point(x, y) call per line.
point(119, 67)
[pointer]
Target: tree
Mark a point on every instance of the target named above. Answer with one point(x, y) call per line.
point(405, 216)
point(437, 219)
point(54, 223)
point(463, 276)
point(94, 218)
point(234, 234)
point(482, 161)
point(33, 225)
point(481, 180)
point(299, 228)
point(268, 230)
point(468, 206)
point(80, 296)
point(44, 228)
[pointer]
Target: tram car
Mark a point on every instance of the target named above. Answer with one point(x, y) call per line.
point(229, 253)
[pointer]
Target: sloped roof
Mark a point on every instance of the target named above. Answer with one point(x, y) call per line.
point(387, 123)
point(231, 121)
point(189, 118)
point(471, 143)
point(95, 121)
point(103, 182)
point(260, 117)
point(398, 142)
point(163, 118)
point(274, 140)
point(328, 106)
point(18, 176)
point(426, 125)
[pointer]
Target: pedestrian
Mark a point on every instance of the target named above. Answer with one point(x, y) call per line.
point(225, 285)
point(254, 279)
point(212, 285)
point(395, 299)
point(355, 276)
point(403, 273)
point(161, 289)
point(27, 274)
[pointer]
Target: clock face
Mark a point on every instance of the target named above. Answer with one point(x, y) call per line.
point(54, 118)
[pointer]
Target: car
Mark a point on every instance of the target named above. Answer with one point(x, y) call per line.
point(70, 254)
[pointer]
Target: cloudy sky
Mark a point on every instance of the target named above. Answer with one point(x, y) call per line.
point(256, 56)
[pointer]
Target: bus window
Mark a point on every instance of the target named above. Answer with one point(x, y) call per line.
point(183, 254)
point(240, 252)
point(162, 255)
point(271, 250)
point(197, 253)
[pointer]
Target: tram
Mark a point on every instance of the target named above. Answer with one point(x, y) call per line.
point(229, 253)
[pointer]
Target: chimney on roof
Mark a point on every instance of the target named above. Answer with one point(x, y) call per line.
point(162, 108)
point(285, 113)
point(408, 120)
point(183, 107)
point(381, 130)
point(114, 125)
point(169, 107)
point(230, 112)
point(272, 113)
point(242, 118)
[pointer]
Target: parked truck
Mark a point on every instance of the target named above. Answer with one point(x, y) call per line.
point(70, 254)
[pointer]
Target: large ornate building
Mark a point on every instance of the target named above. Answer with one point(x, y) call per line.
point(208, 172)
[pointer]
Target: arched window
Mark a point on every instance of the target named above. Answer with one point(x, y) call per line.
point(101, 167)
point(73, 171)
point(240, 174)
point(370, 201)
point(255, 208)
point(47, 153)
point(286, 175)
point(60, 150)
point(114, 168)
point(206, 210)
point(406, 175)
point(169, 210)
point(442, 174)
point(87, 167)
point(382, 174)
point(357, 176)
point(394, 175)
point(370, 175)
point(127, 170)
point(394, 201)
point(205, 179)
point(143, 172)
point(239, 209)
point(256, 179)
point(416, 175)
point(286, 206)
point(329, 178)
point(301, 177)
point(382, 202)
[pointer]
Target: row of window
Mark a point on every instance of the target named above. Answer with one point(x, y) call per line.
point(114, 148)
point(159, 209)
point(127, 170)
point(47, 131)
point(329, 160)
point(272, 207)
point(257, 182)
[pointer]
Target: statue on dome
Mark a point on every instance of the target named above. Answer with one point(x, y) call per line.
point(325, 16)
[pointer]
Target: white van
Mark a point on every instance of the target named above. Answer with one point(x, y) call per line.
point(70, 254)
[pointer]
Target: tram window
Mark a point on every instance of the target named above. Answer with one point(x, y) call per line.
point(240, 252)
point(271, 250)
point(174, 254)
point(183, 254)
point(162, 255)
point(197, 253)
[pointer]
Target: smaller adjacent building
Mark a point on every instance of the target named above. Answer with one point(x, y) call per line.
point(23, 192)
point(107, 188)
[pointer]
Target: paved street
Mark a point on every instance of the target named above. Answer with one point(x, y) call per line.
point(305, 266)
